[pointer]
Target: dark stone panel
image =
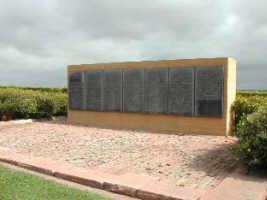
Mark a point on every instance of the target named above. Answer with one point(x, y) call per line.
point(112, 90)
point(75, 90)
point(93, 90)
point(133, 90)
point(210, 107)
point(75, 76)
point(181, 91)
point(156, 90)
point(209, 91)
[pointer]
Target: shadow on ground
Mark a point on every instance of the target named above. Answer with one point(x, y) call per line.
point(224, 156)
point(211, 160)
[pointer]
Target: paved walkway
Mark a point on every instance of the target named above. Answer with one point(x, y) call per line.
point(139, 164)
point(181, 160)
point(237, 185)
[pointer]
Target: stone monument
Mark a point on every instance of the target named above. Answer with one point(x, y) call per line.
point(188, 96)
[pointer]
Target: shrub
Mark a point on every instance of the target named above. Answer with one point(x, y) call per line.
point(245, 105)
point(7, 110)
point(26, 107)
point(61, 102)
point(45, 106)
point(26, 103)
point(252, 133)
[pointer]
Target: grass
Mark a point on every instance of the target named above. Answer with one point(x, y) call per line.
point(15, 185)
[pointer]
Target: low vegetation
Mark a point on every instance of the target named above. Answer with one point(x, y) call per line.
point(247, 103)
point(251, 128)
point(38, 89)
point(19, 185)
point(18, 103)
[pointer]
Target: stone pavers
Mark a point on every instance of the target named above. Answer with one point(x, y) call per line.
point(139, 164)
point(195, 161)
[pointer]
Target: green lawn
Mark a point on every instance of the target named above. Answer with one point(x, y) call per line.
point(15, 185)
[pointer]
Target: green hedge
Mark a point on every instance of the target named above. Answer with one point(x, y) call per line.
point(246, 104)
point(252, 133)
point(16, 103)
point(251, 128)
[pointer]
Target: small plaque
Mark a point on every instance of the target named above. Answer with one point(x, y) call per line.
point(156, 90)
point(112, 90)
point(181, 91)
point(93, 90)
point(209, 91)
point(133, 90)
point(76, 90)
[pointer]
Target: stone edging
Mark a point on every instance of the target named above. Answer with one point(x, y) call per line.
point(236, 186)
point(142, 187)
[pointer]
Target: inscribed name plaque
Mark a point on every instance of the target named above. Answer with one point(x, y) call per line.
point(156, 90)
point(112, 90)
point(209, 91)
point(76, 90)
point(93, 90)
point(181, 91)
point(133, 90)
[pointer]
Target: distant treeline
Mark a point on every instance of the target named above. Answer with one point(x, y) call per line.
point(40, 89)
point(247, 93)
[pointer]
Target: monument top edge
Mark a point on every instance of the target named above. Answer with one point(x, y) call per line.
point(154, 63)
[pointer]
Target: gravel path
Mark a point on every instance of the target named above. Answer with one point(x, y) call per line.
point(184, 160)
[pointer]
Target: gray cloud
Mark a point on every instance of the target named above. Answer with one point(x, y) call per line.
point(38, 39)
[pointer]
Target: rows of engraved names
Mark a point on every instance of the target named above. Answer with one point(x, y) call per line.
point(174, 90)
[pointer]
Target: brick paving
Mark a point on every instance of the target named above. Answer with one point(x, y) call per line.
point(194, 161)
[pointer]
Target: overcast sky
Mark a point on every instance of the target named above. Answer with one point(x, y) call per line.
point(38, 39)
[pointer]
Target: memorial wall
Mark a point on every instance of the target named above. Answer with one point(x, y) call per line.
point(188, 96)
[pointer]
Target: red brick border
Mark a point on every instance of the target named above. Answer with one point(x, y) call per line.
point(142, 187)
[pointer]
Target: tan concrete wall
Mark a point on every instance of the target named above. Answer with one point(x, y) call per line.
point(160, 122)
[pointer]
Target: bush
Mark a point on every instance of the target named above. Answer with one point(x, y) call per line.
point(18, 103)
point(26, 107)
point(245, 105)
point(61, 102)
point(252, 133)
point(45, 106)
point(250, 127)
point(7, 110)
